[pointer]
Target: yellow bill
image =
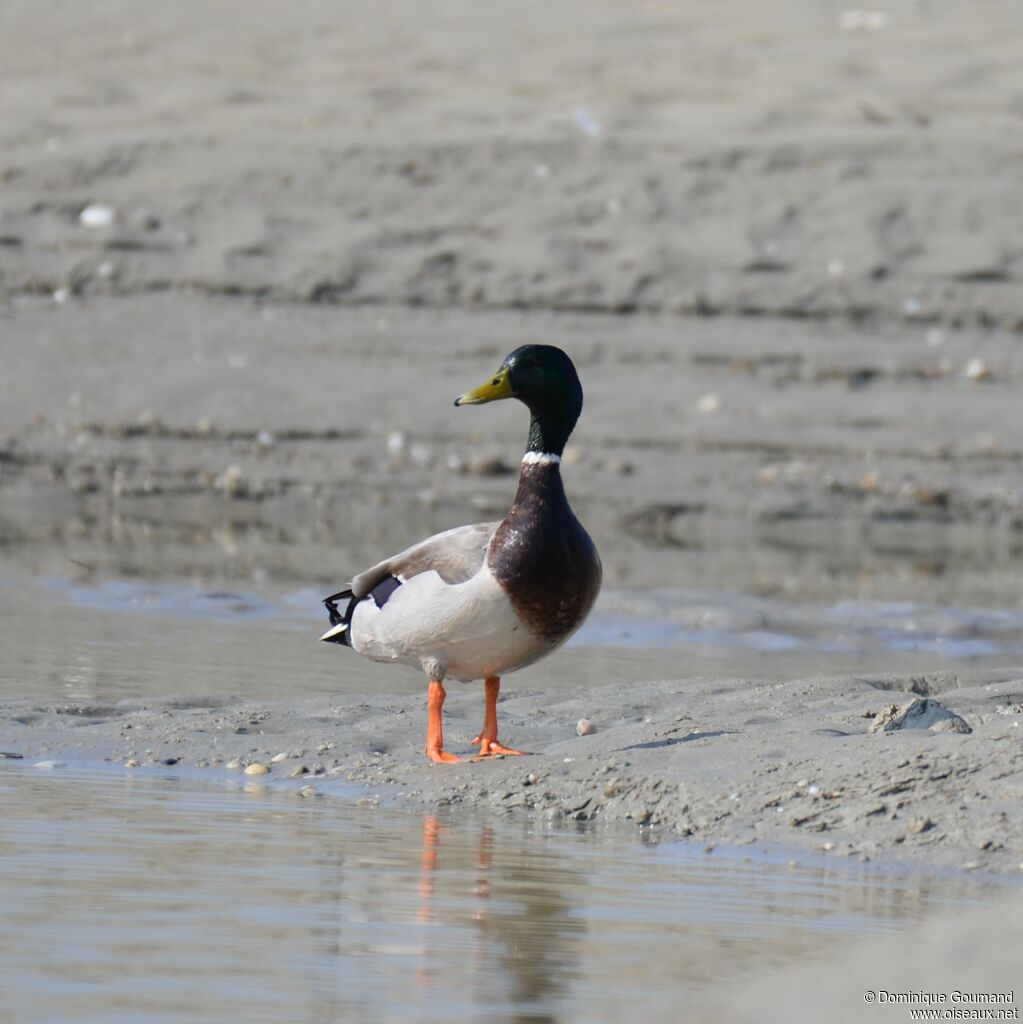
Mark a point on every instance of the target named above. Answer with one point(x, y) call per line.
point(499, 386)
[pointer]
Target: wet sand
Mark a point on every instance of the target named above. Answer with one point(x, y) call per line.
point(785, 260)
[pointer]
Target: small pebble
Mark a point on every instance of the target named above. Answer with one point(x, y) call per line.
point(132, 762)
point(50, 764)
point(584, 727)
point(257, 769)
point(307, 791)
point(709, 404)
point(7, 755)
point(61, 295)
point(864, 21)
point(977, 369)
point(277, 758)
point(170, 760)
point(298, 771)
point(489, 465)
point(148, 219)
point(918, 825)
point(233, 763)
point(231, 481)
point(97, 215)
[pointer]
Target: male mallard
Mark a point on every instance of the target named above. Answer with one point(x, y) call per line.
point(479, 601)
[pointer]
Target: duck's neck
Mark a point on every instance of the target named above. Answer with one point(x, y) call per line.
point(548, 434)
point(540, 482)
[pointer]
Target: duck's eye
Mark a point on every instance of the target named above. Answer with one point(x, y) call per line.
point(495, 382)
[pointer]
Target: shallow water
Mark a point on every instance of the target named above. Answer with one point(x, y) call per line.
point(127, 639)
point(166, 899)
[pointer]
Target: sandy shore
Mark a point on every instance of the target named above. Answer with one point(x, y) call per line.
point(787, 764)
point(781, 246)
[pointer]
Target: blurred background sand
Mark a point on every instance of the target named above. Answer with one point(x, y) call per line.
point(249, 252)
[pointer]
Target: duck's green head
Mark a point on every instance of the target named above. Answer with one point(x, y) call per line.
point(544, 378)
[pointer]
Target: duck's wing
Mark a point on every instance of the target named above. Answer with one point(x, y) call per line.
point(455, 555)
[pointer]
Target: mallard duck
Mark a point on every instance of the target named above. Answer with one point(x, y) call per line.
point(480, 601)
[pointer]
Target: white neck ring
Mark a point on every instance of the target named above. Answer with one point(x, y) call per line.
point(540, 459)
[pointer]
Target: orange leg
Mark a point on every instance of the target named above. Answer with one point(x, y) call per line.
point(434, 727)
point(487, 738)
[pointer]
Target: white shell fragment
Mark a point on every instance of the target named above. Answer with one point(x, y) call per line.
point(859, 20)
point(977, 369)
point(97, 215)
point(587, 123)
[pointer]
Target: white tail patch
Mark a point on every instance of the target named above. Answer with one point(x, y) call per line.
point(335, 631)
point(540, 459)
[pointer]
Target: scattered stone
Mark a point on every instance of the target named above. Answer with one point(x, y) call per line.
point(918, 825)
point(8, 756)
point(170, 760)
point(298, 771)
point(257, 769)
point(919, 713)
point(143, 218)
point(49, 765)
point(233, 763)
point(977, 369)
point(97, 215)
point(277, 758)
point(231, 482)
point(489, 465)
point(709, 404)
point(307, 791)
point(584, 727)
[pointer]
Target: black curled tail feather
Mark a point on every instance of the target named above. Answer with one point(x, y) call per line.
point(380, 594)
point(338, 618)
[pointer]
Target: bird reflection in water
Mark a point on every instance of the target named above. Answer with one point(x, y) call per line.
point(515, 902)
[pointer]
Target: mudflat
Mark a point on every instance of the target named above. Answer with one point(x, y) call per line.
point(245, 270)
